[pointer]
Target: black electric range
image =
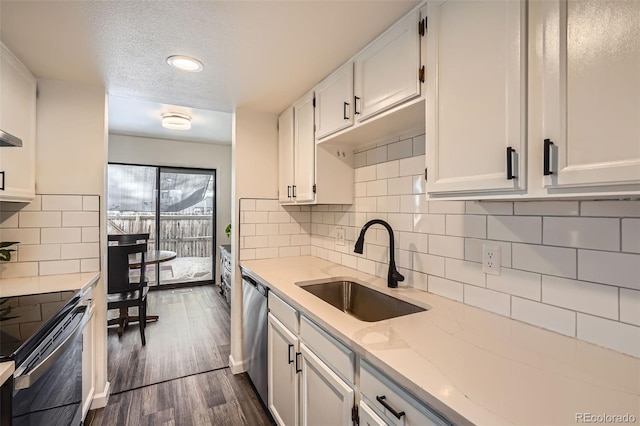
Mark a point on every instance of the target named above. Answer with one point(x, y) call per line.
point(24, 319)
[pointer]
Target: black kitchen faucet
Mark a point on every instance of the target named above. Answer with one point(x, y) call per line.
point(393, 276)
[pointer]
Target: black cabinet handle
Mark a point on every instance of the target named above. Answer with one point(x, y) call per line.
point(2, 187)
point(381, 400)
point(510, 152)
point(344, 111)
point(294, 191)
point(298, 370)
point(289, 354)
point(547, 157)
point(355, 105)
point(289, 191)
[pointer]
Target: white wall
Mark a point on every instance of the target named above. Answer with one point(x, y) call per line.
point(71, 156)
point(174, 153)
point(255, 171)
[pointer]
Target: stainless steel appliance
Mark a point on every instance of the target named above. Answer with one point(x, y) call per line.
point(7, 139)
point(254, 332)
point(42, 333)
point(225, 272)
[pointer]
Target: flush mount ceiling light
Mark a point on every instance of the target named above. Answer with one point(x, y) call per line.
point(185, 63)
point(175, 121)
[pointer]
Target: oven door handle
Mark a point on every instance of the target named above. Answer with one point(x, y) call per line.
point(24, 381)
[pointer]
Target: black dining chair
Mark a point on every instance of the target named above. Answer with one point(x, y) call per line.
point(122, 291)
point(128, 238)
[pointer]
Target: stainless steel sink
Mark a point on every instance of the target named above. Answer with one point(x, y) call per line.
point(361, 302)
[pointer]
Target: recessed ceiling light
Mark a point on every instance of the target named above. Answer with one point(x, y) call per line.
point(185, 63)
point(175, 121)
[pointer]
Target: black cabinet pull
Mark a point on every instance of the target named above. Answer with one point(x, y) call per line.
point(381, 400)
point(547, 157)
point(298, 370)
point(289, 354)
point(294, 191)
point(288, 191)
point(344, 111)
point(2, 187)
point(510, 152)
point(355, 105)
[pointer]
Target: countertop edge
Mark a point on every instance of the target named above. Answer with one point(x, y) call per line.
point(6, 370)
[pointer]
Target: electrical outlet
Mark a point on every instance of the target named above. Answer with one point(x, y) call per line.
point(491, 259)
point(339, 236)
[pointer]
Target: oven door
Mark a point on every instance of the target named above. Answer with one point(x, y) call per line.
point(48, 384)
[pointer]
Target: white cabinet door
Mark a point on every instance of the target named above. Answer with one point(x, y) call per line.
point(283, 378)
point(476, 96)
point(88, 365)
point(386, 72)
point(17, 117)
point(591, 95)
point(305, 149)
point(325, 398)
point(334, 102)
point(285, 155)
point(367, 416)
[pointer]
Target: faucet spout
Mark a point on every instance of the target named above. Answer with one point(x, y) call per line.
point(393, 276)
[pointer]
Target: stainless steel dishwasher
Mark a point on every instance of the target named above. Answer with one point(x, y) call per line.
point(254, 331)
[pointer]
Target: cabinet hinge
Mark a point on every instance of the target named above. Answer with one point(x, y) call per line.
point(314, 188)
point(421, 74)
point(354, 415)
point(425, 174)
point(314, 101)
point(422, 26)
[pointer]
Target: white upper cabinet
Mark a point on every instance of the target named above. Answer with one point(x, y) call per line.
point(386, 72)
point(590, 62)
point(304, 150)
point(334, 102)
point(285, 155)
point(17, 117)
point(476, 96)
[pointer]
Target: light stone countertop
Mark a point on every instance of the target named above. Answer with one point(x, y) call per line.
point(10, 287)
point(471, 365)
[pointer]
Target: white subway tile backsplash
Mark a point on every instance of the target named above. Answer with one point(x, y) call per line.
point(256, 241)
point(412, 166)
point(446, 246)
point(61, 235)
point(414, 204)
point(595, 299)
point(377, 155)
point(300, 240)
point(631, 235)
point(610, 208)
point(350, 261)
point(266, 253)
point(551, 318)
point(450, 207)
point(619, 269)
point(545, 260)
point(377, 253)
point(18, 269)
point(90, 203)
point(582, 232)
point(621, 337)
point(91, 234)
point(289, 228)
point(429, 223)
point(400, 221)
point(61, 202)
point(366, 266)
point(489, 207)
point(40, 220)
point(418, 185)
point(473, 250)
point(360, 189)
point(79, 250)
point(516, 282)
point(413, 241)
point(630, 306)
point(359, 159)
point(365, 174)
point(343, 218)
point(247, 205)
point(255, 217)
point(9, 219)
point(266, 228)
point(466, 226)
point(279, 217)
point(400, 186)
point(90, 265)
point(30, 253)
point(547, 208)
point(389, 204)
point(465, 272)
point(247, 229)
point(376, 187)
point(515, 228)
point(60, 267)
point(329, 218)
point(267, 205)
point(402, 149)
point(432, 265)
point(289, 251)
point(446, 288)
point(21, 235)
point(492, 301)
point(419, 145)
point(366, 204)
point(247, 254)
point(80, 219)
point(390, 169)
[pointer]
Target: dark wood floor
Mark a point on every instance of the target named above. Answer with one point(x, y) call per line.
point(181, 376)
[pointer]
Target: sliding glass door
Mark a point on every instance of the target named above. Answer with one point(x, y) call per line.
point(176, 206)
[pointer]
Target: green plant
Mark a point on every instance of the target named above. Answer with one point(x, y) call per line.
point(5, 253)
point(227, 231)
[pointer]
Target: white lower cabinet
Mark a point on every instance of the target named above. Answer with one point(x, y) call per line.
point(283, 377)
point(368, 417)
point(88, 363)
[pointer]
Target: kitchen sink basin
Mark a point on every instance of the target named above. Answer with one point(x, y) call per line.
point(361, 302)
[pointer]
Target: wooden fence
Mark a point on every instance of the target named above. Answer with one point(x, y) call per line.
point(187, 235)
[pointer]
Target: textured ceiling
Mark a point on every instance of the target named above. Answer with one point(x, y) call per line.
point(257, 54)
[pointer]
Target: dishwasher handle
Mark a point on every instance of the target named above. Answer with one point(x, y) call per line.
point(261, 288)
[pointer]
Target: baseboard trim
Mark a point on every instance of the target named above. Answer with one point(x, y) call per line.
point(100, 399)
point(235, 366)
